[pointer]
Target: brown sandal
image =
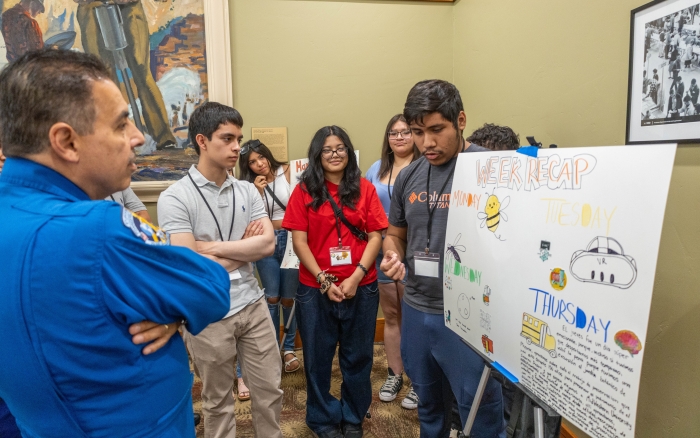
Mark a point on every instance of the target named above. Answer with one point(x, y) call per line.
point(243, 391)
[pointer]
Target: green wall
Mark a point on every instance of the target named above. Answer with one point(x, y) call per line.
point(550, 68)
point(305, 64)
point(558, 70)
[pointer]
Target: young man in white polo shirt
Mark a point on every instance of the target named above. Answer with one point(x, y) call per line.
point(224, 219)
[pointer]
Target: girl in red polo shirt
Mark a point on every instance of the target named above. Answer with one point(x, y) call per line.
point(336, 219)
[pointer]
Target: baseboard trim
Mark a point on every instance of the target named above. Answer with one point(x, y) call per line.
point(379, 330)
point(566, 432)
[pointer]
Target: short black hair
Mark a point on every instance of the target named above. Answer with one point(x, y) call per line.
point(495, 137)
point(42, 88)
point(433, 96)
point(207, 118)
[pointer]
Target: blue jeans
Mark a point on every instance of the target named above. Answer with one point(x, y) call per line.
point(323, 324)
point(279, 283)
point(440, 364)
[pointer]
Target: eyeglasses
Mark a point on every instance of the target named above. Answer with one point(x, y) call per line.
point(251, 145)
point(395, 134)
point(328, 153)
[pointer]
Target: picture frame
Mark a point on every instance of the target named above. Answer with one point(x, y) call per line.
point(664, 73)
point(220, 81)
point(167, 58)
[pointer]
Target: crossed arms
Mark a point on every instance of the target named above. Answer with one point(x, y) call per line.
point(257, 242)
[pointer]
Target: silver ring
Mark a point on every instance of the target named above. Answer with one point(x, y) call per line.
point(166, 326)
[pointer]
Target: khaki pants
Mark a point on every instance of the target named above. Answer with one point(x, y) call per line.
point(250, 333)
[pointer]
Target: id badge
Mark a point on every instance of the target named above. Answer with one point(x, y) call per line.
point(234, 275)
point(427, 265)
point(341, 256)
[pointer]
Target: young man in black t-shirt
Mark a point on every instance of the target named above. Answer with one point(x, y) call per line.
point(435, 358)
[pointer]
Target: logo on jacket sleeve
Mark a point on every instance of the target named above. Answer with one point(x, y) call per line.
point(143, 229)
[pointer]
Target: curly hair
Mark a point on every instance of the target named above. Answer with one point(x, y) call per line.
point(495, 137)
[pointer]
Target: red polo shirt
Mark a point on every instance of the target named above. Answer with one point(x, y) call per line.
point(322, 234)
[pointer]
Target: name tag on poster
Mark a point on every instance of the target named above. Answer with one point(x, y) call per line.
point(341, 256)
point(234, 275)
point(427, 265)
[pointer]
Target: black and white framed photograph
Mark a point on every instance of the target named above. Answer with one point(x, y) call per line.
point(664, 78)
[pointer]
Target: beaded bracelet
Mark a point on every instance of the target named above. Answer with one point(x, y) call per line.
point(361, 266)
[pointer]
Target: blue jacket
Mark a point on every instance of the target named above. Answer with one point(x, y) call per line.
point(74, 274)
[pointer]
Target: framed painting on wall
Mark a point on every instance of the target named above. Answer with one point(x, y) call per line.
point(664, 73)
point(167, 56)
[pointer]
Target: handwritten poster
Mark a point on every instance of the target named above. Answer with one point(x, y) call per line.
point(549, 270)
point(296, 167)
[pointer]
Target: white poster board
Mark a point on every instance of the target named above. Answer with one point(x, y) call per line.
point(549, 271)
point(296, 168)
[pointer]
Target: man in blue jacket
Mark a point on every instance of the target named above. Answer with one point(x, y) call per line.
point(76, 273)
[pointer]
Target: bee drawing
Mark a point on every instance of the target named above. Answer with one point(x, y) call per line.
point(493, 213)
point(452, 249)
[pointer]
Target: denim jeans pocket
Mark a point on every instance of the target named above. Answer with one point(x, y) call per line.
point(306, 293)
point(369, 290)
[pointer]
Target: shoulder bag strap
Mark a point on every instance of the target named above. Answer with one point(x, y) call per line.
point(275, 198)
point(339, 213)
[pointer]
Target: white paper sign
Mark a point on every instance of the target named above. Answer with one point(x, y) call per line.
point(296, 167)
point(549, 270)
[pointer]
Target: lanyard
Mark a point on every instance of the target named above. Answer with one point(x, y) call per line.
point(233, 218)
point(439, 195)
point(337, 212)
point(270, 208)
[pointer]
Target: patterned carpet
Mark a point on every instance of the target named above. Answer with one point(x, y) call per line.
point(389, 420)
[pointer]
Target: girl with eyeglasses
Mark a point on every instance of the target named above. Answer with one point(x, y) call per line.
point(398, 151)
point(271, 178)
point(336, 219)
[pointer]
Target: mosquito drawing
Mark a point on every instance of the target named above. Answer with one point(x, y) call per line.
point(452, 249)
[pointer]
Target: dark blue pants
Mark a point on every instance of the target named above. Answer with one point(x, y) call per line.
point(8, 427)
point(322, 325)
point(440, 365)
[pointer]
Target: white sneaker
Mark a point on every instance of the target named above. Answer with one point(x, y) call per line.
point(391, 387)
point(411, 400)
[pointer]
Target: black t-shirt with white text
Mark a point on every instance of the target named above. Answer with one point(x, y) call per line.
point(409, 210)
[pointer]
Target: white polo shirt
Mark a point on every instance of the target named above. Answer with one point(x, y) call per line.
point(181, 209)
